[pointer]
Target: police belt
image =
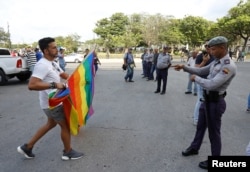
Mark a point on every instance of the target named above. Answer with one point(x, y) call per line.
point(212, 96)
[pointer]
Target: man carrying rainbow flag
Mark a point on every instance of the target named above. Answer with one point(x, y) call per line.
point(69, 107)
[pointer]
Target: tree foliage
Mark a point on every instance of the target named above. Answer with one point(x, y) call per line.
point(4, 38)
point(111, 30)
point(70, 42)
point(169, 33)
point(236, 25)
point(150, 30)
point(194, 29)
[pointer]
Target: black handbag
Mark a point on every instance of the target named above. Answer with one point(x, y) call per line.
point(124, 67)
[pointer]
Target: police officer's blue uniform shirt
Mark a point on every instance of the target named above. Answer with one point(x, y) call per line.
point(129, 58)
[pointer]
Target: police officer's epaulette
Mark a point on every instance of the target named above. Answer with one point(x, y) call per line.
point(227, 61)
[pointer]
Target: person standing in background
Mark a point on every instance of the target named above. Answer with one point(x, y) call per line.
point(144, 63)
point(191, 63)
point(39, 55)
point(31, 58)
point(202, 59)
point(61, 60)
point(96, 62)
point(163, 64)
point(86, 52)
point(129, 62)
point(150, 59)
point(154, 68)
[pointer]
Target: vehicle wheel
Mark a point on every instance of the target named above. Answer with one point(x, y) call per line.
point(77, 61)
point(3, 78)
point(24, 77)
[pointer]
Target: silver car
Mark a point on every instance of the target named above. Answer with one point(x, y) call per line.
point(73, 58)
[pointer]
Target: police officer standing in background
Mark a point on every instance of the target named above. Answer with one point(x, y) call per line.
point(129, 62)
point(163, 64)
point(220, 74)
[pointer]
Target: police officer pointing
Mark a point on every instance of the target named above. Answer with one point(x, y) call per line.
point(220, 74)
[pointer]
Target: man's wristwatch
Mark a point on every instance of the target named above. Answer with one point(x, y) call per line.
point(52, 85)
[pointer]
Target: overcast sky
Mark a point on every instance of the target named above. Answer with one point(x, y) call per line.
point(30, 20)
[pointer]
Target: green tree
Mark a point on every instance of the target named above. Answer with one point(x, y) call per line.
point(4, 38)
point(70, 42)
point(110, 30)
point(170, 32)
point(236, 25)
point(194, 29)
point(152, 25)
point(135, 27)
point(118, 21)
point(60, 41)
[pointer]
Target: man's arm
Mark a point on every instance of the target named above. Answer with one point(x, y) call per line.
point(38, 85)
point(125, 59)
point(64, 75)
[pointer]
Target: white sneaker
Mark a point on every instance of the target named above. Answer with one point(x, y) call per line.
point(25, 151)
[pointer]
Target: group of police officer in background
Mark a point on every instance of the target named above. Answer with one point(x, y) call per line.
point(153, 61)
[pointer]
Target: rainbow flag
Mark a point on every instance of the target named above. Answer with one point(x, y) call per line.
point(81, 85)
point(63, 96)
point(77, 98)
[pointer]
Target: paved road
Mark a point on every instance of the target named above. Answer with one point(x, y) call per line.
point(132, 129)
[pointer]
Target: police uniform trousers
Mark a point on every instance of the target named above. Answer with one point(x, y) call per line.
point(162, 75)
point(210, 114)
point(144, 67)
point(149, 65)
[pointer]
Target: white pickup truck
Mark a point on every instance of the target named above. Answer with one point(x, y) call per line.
point(11, 67)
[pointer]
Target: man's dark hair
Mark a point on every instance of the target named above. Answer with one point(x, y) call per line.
point(44, 43)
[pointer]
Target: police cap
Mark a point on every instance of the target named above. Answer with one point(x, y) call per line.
point(217, 40)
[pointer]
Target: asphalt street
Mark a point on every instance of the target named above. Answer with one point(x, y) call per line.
point(132, 129)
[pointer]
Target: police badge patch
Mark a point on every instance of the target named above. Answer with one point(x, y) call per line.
point(227, 61)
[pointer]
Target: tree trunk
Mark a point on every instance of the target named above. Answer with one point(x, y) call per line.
point(107, 53)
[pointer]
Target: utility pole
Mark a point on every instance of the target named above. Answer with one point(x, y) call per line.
point(8, 36)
